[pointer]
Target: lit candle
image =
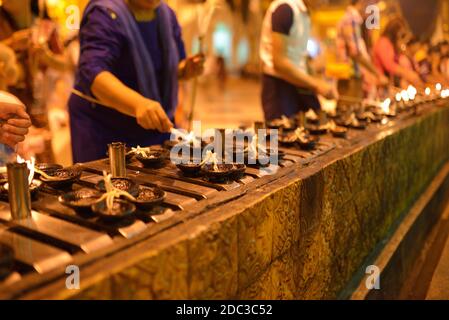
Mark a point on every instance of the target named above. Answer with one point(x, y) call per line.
point(405, 96)
point(386, 105)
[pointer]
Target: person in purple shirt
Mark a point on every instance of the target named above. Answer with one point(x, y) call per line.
point(131, 59)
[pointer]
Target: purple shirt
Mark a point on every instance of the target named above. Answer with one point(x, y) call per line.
point(104, 47)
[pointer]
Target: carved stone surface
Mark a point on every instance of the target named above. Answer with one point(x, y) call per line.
point(303, 240)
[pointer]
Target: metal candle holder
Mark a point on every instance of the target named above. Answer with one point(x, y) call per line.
point(19, 191)
point(117, 159)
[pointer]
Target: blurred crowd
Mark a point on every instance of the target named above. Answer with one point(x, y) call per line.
point(37, 65)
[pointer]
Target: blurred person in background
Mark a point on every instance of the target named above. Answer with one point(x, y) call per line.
point(444, 51)
point(424, 67)
point(287, 86)
point(386, 52)
point(9, 71)
point(126, 88)
point(351, 48)
point(406, 58)
point(436, 75)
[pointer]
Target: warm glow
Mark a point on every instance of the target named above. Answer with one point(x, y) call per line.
point(438, 86)
point(30, 166)
point(427, 91)
point(398, 97)
point(386, 105)
point(411, 91)
point(404, 95)
point(445, 93)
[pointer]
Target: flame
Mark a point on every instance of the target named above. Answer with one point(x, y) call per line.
point(30, 165)
point(405, 96)
point(411, 91)
point(386, 105)
point(438, 86)
point(445, 93)
point(398, 97)
point(427, 91)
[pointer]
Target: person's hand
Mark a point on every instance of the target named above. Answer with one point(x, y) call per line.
point(414, 79)
point(14, 122)
point(19, 40)
point(150, 115)
point(382, 81)
point(192, 67)
point(326, 90)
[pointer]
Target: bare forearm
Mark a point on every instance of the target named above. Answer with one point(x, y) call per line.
point(367, 64)
point(56, 61)
point(112, 92)
point(294, 75)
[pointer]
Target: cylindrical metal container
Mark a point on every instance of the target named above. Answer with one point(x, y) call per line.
point(19, 191)
point(117, 159)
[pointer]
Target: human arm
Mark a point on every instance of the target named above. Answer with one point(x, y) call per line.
point(113, 93)
point(14, 120)
point(386, 54)
point(101, 44)
point(292, 74)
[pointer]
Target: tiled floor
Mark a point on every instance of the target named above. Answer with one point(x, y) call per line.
point(227, 106)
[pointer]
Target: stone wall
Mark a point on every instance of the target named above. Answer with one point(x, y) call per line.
point(303, 237)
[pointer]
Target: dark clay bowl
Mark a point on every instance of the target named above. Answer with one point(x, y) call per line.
point(316, 129)
point(121, 210)
point(34, 188)
point(359, 126)
point(153, 158)
point(309, 142)
point(149, 197)
point(314, 121)
point(339, 132)
point(6, 261)
point(278, 124)
point(124, 184)
point(238, 171)
point(80, 200)
point(48, 168)
point(66, 177)
point(190, 169)
point(288, 139)
point(224, 172)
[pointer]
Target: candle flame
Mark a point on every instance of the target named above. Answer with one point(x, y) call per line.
point(386, 105)
point(445, 93)
point(427, 91)
point(438, 86)
point(30, 165)
point(411, 91)
point(405, 95)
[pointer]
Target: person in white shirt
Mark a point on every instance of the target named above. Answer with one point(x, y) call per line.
point(287, 87)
